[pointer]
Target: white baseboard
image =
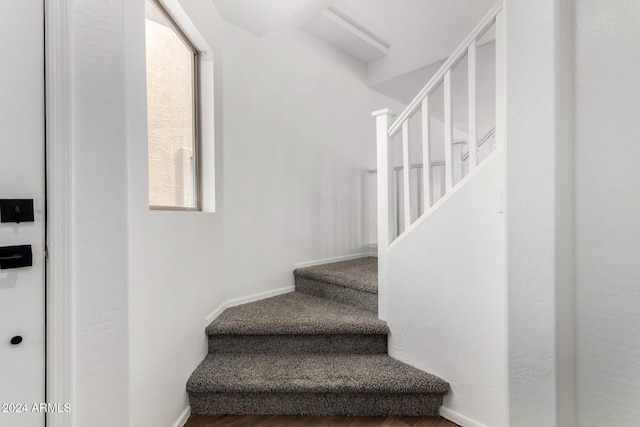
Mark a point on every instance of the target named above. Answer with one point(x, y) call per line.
point(373, 249)
point(184, 416)
point(275, 292)
point(244, 300)
point(215, 313)
point(458, 418)
point(259, 296)
point(330, 260)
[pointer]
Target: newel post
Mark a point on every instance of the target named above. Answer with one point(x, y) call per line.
point(384, 196)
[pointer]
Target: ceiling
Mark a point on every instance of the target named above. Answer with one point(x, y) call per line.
point(260, 17)
point(402, 42)
point(257, 16)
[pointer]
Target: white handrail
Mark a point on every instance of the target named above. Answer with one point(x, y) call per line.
point(477, 33)
point(481, 142)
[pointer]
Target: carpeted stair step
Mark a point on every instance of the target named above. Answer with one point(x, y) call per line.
point(353, 282)
point(313, 384)
point(296, 323)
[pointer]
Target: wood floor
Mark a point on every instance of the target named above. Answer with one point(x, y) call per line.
point(308, 421)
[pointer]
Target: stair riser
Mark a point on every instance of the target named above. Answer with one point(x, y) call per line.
point(363, 300)
point(319, 404)
point(298, 344)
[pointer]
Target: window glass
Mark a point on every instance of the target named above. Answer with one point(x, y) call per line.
point(172, 112)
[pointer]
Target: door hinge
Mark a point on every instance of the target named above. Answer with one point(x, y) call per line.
point(46, 254)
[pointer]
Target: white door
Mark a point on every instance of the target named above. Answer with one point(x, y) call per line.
point(22, 357)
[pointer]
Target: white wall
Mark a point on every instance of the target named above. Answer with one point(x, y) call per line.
point(176, 259)
point(607, 212)
point(298, 140)
point(142, 282)
point(539, 212)
point(99, 212)
point(447, 297)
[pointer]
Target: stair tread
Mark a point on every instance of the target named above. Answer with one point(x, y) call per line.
point(311, 373)
point(296, 314)
point(360, 274)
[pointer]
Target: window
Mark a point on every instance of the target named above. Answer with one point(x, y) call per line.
point(173, 113)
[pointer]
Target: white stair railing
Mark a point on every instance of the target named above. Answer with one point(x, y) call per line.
point(437, 180)
point(388, 223)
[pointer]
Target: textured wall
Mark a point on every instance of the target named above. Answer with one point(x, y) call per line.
point(539, 242)
point(608, 212)
point(142, 281)
point(99, 212)
point(447, 298)
point(530, 214)
point(297, 143)
point(176, 260)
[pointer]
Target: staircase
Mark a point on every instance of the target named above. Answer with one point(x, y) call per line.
point(320, 350)
point(352, 282)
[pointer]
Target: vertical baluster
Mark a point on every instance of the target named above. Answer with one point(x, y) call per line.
point(448, 132)
point(501, 66)
point(473, 120)
point(384, 174)
point(420, 190)
point(427, 199)
point(458, 166)
point(397, 209)
point(406, 170)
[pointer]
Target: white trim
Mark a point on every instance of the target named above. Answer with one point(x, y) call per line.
point(183, 417)
point(59, 372)
point(382, 111)
point(244, 300)
point(373, 250)
point(262, 295)
point(215, 313)
point(331, 260)
point(448, 195)
point(459, 419)
point(501, 82)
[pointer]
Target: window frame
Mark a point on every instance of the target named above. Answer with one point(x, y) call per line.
point(197, 113)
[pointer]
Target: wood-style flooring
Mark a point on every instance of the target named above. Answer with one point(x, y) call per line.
point(309, 421)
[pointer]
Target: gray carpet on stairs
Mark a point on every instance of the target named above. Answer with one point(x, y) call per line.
point(296, 323)
point(360, 274)
point(353, 282)
point(343, 295)
point(299, 343)
point(305, 353)
point(316, 404)
point(296, 313)
point(313, 384)
point(256, 373)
